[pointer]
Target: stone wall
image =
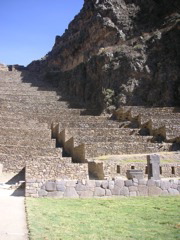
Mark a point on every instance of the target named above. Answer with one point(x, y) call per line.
point(53, 168)
point(13, 163)
point(114, 168)
point(105, 188)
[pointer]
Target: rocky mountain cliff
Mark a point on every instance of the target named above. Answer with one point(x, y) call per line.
point(119, 52)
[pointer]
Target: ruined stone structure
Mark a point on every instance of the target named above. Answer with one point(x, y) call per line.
point(39, 130)
point(98, 104)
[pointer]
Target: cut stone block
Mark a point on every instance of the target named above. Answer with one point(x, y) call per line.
point(138, 174)
point(85, 194)
point(154, 191)
point(119, 183)
point(164, 193)
point(124, 191)
point(153, 162)
point(108, 192)
point(132, 194)
point(142, 182)
point(165, 185)
point(111, 185)
point(60, 187)
point(104, 184)
point(128, 183)
point(55, 194)
point(173, 191)
point(71, 192)
point(50, 186)
point(116, 190)
point(142, 190)
point(133, 188)
point(71, 183)
point(99, 192)
point(150, 182)
point(81, 187)
point(42, 193)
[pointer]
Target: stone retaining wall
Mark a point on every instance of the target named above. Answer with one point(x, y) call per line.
point(112, 169)
point(54, 168)
point(97, 188)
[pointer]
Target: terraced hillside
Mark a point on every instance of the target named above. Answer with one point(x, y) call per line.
point(41, 133)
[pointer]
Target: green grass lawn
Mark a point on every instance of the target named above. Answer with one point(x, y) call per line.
point(104, 219)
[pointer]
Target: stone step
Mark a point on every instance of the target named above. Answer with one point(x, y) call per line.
point(26, 85)
point(167, 130)
point(32, 142)
point(156, 121)
point(30, 151)
point(19, 77)
point(159, 121)
point(29, 98)
point(43, 117)
point(19, 80)
point(135, 110)
point(24, 126)
point(15, 163)
point(24, 123)
point(111, 148)
point(173, 132)
point(38, 109)
point(17, 118)
point(167, 123)
point(160, 116)
point(58, 128)
point(22, 133)
point(15, 86)
point(5, 105)
point(28, 92)
point(122, 139)
point(89, 124)
point(96, 132)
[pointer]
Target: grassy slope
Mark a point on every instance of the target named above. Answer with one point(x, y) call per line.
point(111, 219)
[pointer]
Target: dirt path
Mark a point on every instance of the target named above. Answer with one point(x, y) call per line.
point(12, 215)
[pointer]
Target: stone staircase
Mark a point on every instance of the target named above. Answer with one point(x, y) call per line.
point(160, 123)
point(40, 131)
point(28, 107)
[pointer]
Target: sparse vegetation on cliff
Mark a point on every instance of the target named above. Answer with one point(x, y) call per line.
point(130, 47)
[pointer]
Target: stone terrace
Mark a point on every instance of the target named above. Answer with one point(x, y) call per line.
point(40, 132)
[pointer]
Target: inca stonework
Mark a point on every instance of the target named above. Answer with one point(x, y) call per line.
point(103, 100)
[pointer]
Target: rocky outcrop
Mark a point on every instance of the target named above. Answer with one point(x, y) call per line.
point(119, 52)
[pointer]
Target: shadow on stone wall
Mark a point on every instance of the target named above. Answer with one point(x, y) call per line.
point(51, 82)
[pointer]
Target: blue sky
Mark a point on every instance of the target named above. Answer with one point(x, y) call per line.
point(28, 27)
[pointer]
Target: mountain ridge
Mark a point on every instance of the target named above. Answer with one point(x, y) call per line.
point(118, 52)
